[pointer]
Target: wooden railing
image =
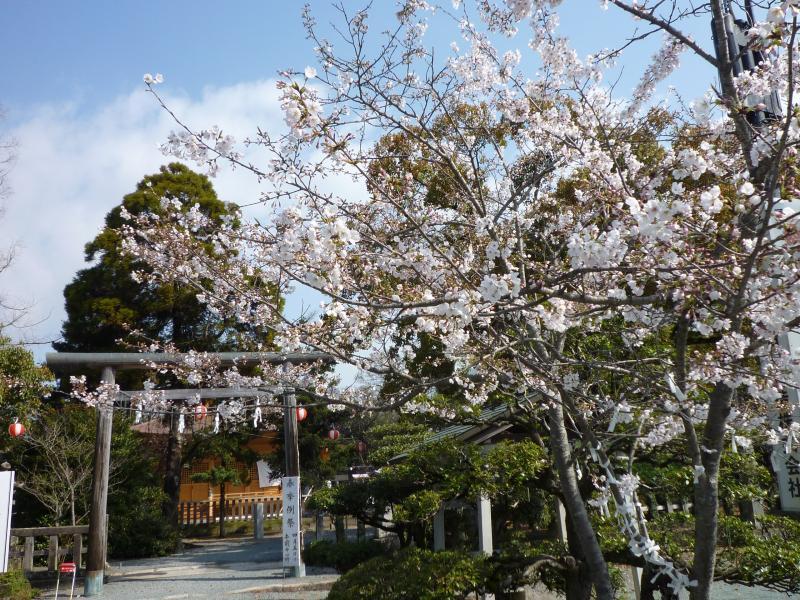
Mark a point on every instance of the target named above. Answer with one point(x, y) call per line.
point(205, 512)
point(26, 551)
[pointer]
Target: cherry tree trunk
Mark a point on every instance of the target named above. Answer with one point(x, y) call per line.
point(573, 501)
point(706, 493)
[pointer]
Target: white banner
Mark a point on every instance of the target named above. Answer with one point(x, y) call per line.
point(6, 504)
point(291, 522)
point(265, 475)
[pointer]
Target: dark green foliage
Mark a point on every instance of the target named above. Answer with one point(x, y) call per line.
point(412, 573)
point(767, 555)
point(136, 524)
point(137, 528)
point(668, 473)
point(385, 441)
point(342, 556)
point(313, 439)
point(14, 586)
point(431, 473)
point(134, 500)
point(518, 553)
point(22, 383)
point(104, 302)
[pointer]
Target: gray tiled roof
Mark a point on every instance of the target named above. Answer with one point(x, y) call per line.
point(467, 431)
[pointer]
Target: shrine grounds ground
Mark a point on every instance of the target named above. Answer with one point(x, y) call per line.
point(247, 569)
point(212, 569)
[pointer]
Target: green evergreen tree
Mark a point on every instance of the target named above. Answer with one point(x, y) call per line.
point(104, 302)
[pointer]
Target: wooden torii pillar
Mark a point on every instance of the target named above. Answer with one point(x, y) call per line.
point(109, 362)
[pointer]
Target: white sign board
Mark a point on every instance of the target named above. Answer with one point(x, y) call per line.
point(787, 471)
point(265, 475)
point(6, 504)
point(291, 522)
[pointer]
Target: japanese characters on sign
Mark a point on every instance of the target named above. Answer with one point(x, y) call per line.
point(787, 471)
point(291, 521)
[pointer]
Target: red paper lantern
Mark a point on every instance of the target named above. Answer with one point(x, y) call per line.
point(16, 429)
point(302, 413)
point(361, 446)
point(325, 454)
point(200, 412)
point(333, 434)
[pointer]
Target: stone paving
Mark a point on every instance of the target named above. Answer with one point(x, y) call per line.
point(208, 569)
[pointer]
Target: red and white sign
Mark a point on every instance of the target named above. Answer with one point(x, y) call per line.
point(67, 567)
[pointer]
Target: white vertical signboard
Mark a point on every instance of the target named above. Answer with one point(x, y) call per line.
point(786, 457)
point(291, 524)
point(787, 471)
point(6, 504)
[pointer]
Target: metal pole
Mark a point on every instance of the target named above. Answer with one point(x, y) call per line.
point(96, 555)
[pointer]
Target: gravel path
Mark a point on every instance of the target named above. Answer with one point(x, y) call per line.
point(242, 569)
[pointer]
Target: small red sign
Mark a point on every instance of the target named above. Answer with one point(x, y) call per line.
point(67, 567)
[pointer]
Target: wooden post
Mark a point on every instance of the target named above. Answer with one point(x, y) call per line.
point(77, 550)
point(52, 554)
point(290, 433)
point(96, 556)
point(292, 452)
point(27, 556)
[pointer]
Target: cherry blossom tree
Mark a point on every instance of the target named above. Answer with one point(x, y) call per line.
point(556, 211)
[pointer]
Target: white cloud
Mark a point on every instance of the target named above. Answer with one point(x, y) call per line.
point(73, 166)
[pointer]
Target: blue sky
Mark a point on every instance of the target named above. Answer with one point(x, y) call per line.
point(91, 52)
point(87, 131)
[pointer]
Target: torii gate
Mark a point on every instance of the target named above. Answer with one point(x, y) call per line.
point(109, 362)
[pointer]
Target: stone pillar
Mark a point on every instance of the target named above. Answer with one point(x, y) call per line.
point(484, 525)
point(258, 521)
point(382, 533)
point(438, 529)
point(319, 526)
point(560, 520)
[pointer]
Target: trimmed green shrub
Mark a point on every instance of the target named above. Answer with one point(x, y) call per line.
point(14, 586)
point(413, 573)
point(344, 556)
point(137, 529)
